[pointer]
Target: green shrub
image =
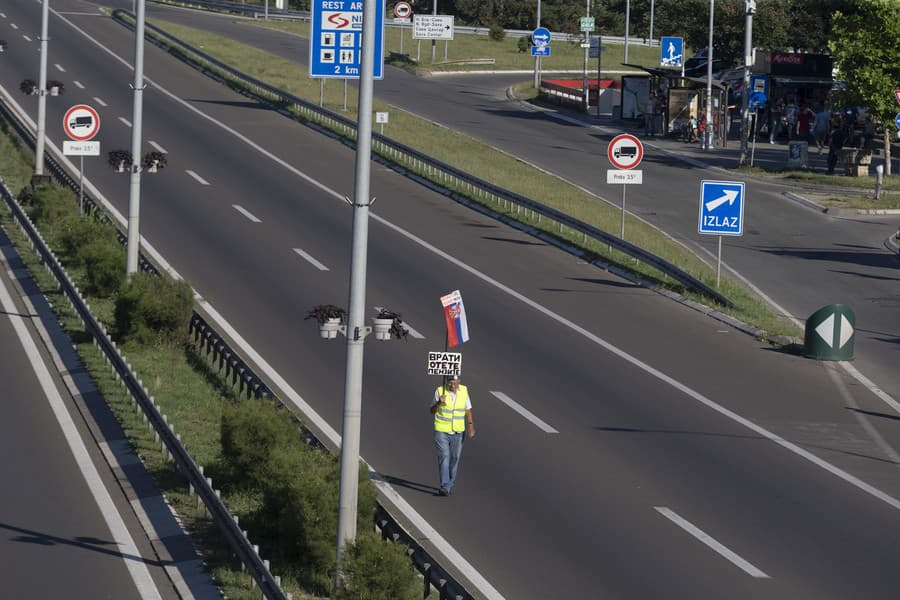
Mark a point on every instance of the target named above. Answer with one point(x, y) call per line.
point(104, 263)
point(524, 44)
point(75, 232)
point(496, 33)
point(151, 309)
point(50, 205)
point(377, 570)
point(251, 431)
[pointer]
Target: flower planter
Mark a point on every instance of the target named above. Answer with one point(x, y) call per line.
point(382, 328)
point(329, 329)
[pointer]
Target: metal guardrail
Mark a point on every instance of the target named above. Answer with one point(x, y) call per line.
point(445, 175)
point(241, 379)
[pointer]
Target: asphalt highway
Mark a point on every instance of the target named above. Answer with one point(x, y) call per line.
point(666, 455)
point(66, 530)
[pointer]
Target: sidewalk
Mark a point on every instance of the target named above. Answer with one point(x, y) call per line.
point(772, 157)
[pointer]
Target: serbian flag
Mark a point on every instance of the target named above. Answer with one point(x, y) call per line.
point(455, 316)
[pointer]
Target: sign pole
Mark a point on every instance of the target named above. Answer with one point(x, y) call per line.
point(81, 186)
point(345, 94)
point(623, 211)
point(719, 263)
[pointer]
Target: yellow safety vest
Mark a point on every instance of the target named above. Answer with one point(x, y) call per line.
point(451, 418)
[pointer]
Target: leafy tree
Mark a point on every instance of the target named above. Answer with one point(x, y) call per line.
point(864, 46)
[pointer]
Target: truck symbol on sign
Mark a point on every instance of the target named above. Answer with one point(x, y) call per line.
point(87, 121)
point(630, 151)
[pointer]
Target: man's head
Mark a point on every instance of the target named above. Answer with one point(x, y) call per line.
point(453, 382)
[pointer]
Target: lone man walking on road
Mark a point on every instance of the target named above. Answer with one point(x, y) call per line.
point(452, 412)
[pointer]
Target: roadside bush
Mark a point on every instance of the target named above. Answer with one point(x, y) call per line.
point(377, 570)
point(151, 309)
point(75, 232)
point(104, 264)
point(252, 430)
point(524, 44)
point(496, 33)
point(50, 205)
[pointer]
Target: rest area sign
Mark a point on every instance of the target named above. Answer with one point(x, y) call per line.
point(722, 207)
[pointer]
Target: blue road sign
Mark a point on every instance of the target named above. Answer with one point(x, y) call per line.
point(671, 51)
point(541, 36)
point(540, 50)
point(897, 120)
point(722, 207)
point(759, 91)
point(336, 39)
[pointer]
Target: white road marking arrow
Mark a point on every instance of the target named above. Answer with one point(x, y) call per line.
point(729, 197)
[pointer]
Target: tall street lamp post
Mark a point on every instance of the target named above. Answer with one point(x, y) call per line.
point(134, 195)
point(42, 93)
point(745, 97)
point(537, 59)
point(356, 330)
point(709, 67)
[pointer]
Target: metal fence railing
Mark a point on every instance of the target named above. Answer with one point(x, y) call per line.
point(451, 178)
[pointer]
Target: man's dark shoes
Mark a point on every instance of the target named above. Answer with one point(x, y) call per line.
point(444, 492)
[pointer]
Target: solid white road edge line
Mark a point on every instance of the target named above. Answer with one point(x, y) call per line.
point(712, 543)
point(523, 411)
point(244, 212)
point(199, 179)
point(311, 260)
point(124, 542)
point(406, 326)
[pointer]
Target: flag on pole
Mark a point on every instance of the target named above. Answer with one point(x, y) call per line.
point(455, 316)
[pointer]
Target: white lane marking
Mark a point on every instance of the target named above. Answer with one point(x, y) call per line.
point(712, 543)
point(3, 15)
point(199, 179)
point(157, 146)
point(246, 213)
point(125, 121)
point(13, 25)
point(59, 67)
point(124, 543)
point(100, 101)
point(78, 84)
point(311, 260)
point(523, 411)
point(406, 326)
point(27, 38)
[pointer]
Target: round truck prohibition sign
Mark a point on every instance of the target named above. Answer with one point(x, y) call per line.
point(81, 123)
point(625, 151)
point(402, 10)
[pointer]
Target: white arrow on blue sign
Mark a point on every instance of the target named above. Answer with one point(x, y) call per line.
point(897, 120)
point(540, 36)
point(722, 207)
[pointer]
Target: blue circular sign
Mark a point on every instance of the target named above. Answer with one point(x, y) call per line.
point(541, 36)
point(897, 120)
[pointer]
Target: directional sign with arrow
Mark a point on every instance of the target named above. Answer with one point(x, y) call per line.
point(722, 207)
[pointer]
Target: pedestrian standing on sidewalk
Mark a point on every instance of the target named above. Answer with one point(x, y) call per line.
point(776, 114)
point(820, 126)
point(452, 410)
point(650, 115)
point(838, 137)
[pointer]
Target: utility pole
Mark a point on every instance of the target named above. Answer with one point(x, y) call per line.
point(745, 101)
point(627, 24)
point(708, 137)
point(537, 59)
point(42, 93)
point(356, 330)
point(434, 41)
point(134, 195)
point(587, 44)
